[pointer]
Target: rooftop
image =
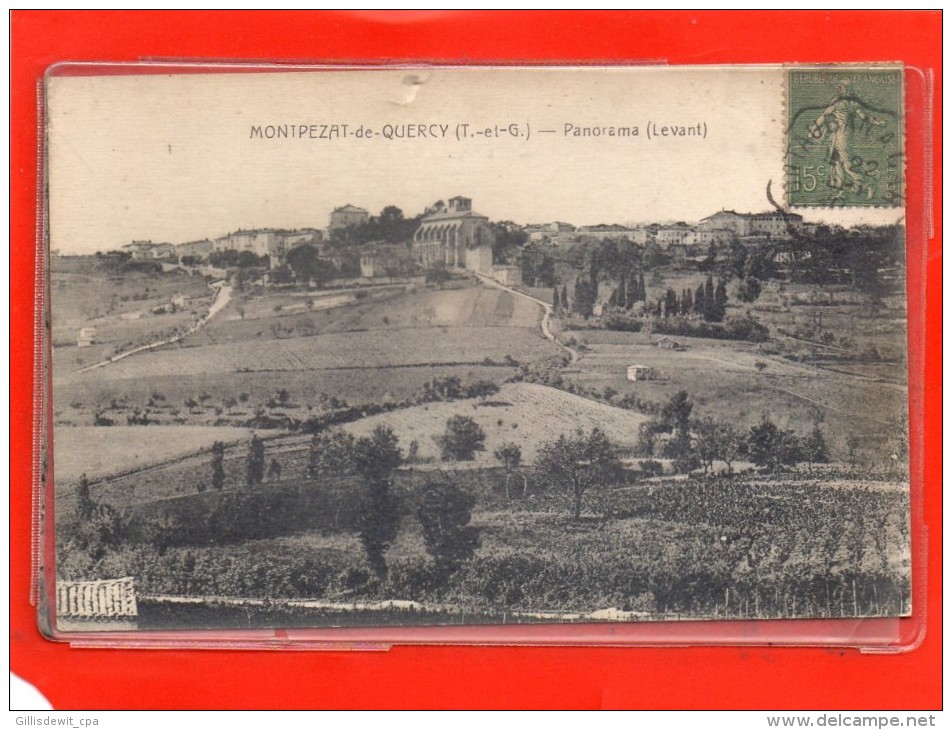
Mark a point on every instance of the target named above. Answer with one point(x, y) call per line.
point(445, 215)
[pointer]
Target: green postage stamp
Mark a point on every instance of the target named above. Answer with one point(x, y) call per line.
point(844, 144)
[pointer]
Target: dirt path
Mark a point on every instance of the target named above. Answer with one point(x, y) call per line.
point(546, 308)
point(221, 301)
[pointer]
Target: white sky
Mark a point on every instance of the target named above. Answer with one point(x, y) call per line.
point(170, 158)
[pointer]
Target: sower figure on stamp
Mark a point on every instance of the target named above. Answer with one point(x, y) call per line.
point(838, 122)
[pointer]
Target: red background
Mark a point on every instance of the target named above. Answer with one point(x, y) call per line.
point(512, 677)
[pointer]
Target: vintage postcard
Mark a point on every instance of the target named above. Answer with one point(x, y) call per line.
point(477, 346)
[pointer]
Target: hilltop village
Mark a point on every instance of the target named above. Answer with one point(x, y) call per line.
point(452, 235)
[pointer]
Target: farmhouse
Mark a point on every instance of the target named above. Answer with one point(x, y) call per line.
point(640, 372)
point(87, 336)
point(454, 235)
point(146, 250)
point(96, 605)
point(668, 343)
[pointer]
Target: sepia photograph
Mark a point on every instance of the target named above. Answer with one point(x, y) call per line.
point(460, 346)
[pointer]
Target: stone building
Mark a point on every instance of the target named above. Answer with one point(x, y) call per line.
point(346, 216)
point(455, 236)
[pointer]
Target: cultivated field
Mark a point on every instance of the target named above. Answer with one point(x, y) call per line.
point(745, 547)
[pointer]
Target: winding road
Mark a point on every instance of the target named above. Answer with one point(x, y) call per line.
point(546, 308)
point(221, 301)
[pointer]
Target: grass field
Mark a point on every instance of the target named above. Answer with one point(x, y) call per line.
point(277, 315)
point(724, 381)
point(522, 413)
point(119, 307)
point(98, 452)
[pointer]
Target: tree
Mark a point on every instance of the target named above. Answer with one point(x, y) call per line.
point(218, 465)
point(254, 472)
point(749, 289)
point(248, 259)
point(687, 302)
point(670, 303)
point(642, 293)
point(449, 387)
point(308, 265)
point(729, 444)
point(815, 450)
point(709, 305)
point(585, 295)
point(699, 304)
point(771, 447)
point(853, 443)
point(85, 504)
point(375, 459)
point(510, 456)
point(444, 512)
point(509, 239)
point(676, 413)
point(390, 224)
point(720, 301)
point(461, 440)
point(565, 297)
point(556, 301)
point(675, 416)
point(577, 464)
point(705, 443)
point(330, 455)
point(736, 258)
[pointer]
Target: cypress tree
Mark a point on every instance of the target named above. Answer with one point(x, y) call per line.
point(699, 300)
point(85, 502)
point(255, 464)
point(687, 302)
point(720, 301)
point(556, 303)
point(709, 306)
point(218, 465)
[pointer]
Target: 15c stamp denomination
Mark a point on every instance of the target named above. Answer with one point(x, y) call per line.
point(845, 137)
